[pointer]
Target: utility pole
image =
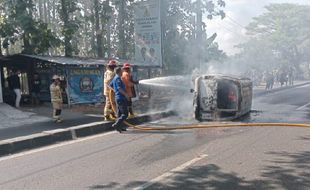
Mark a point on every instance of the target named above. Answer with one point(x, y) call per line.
point(199, 31)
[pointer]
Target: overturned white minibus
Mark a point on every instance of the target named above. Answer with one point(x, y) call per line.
point(220, 97)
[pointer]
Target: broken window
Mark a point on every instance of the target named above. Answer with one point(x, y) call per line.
point(227, 95)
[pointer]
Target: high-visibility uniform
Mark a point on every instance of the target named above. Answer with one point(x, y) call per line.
point(127, 79)
point(129, 86)
point(56, 99)
point(108, 76)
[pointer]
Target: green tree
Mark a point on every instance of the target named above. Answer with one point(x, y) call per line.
point(125, 28)
point(70, 23)
point(283, 28)
point(182, 40)
point(19, 24)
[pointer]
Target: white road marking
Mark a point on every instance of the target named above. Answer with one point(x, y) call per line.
point(54, 146)
point(95, 115)
point(303, 107)
point(171, 172)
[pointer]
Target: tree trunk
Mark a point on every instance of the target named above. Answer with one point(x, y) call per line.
point(68, 46)
point(45, 12)
point(93, 37)
point(98, 30)
point(1, 47)
point(109, 31)
point(40, 4)
point(27, 46)
point(122, 52)
point(48, 13)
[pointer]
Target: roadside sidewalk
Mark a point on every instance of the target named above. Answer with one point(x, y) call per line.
point(31, 127)
point(260, 90)
point(11, 117)
point(31, 120)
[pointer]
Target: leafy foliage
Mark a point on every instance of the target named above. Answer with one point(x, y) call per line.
point(105, 28)
point(20, 24)
point(279, 36)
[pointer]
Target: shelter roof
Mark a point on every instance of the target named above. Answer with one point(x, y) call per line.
point(68, 60)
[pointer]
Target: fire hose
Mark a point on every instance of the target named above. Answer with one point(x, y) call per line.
point(205, 126)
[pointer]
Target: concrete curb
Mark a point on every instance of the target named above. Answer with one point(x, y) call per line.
point(279, 89)
point(45, 138)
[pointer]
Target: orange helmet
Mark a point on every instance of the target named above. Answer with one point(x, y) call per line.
point(126, 66)
point(112, 63)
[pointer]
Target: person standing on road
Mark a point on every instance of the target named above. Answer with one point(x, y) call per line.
point(121, 98)
point(14, 84)
point(108, 76)
point(56, 98)
point(129, 86)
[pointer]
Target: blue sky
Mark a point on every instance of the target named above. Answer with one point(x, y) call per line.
point(239, 13)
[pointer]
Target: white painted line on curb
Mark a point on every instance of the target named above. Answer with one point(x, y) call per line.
point(303, 107)
point(95, 115)
point(17, 155)
point(89, 124)
point(171, 172)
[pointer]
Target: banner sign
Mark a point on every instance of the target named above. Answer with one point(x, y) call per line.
point(85, 85)
point(148, 33)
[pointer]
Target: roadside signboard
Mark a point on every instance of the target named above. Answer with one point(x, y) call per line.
point(85, 85)
point(148, 33)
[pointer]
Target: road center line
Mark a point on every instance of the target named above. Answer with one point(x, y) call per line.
point(302, 107)
point(171, 172)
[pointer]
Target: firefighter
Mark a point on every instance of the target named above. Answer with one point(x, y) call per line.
point(129, 86)
point(108, 76)
point(56, 98)
point(121, 98)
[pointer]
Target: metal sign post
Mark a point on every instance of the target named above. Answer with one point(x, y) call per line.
point(1, 98)
point(67, 87)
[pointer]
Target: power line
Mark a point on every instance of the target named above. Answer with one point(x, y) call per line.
point(238, 24)
point(235, 22)
point(229, 30)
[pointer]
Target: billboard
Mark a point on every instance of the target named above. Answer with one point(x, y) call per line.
point(85, 85)
point(148, 33)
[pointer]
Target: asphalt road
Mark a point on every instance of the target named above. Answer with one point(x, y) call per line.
point(238, 158)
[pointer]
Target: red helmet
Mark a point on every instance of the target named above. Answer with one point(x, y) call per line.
point(126, 66)
point(112, 63)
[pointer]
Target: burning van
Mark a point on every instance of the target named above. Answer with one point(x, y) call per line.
point(219, 97)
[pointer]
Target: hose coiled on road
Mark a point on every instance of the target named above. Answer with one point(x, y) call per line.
point(206, 126)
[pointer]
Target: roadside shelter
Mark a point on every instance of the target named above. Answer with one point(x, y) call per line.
point(82, 78)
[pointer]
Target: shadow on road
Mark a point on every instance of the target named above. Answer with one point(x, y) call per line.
point(108, 186)
point(285, 171)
